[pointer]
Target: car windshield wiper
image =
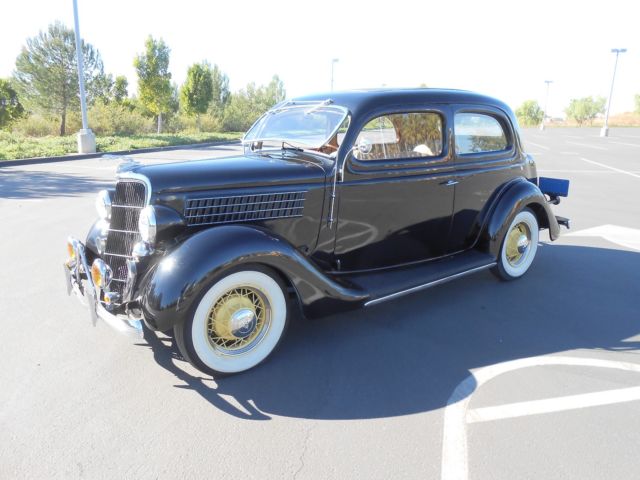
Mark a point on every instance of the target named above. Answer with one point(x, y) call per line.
point(292, 148)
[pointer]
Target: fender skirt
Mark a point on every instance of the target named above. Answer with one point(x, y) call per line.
point(172, 287)
point(520, 194)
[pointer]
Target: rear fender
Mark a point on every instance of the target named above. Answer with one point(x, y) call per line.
point(173, 286)
point(518, 195)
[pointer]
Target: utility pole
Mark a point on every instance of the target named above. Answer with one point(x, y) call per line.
point(546, 104)
point(333, 62)
point(86, 138)
point(605, 129)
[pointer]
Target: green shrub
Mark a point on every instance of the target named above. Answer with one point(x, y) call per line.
point(35, 126)
point(117, 119)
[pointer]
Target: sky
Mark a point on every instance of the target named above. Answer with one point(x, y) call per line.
point(506, 49)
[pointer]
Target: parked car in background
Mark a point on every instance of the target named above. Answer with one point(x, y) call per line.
point(340, 201)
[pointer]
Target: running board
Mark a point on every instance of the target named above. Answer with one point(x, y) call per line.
point(433, 283)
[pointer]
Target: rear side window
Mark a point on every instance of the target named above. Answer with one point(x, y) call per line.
point(400, 135)
point(478, 133)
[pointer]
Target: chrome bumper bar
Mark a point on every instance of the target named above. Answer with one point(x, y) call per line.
point(78, 270)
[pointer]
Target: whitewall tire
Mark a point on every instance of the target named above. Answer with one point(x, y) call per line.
point(519, 246)
point(237, 323)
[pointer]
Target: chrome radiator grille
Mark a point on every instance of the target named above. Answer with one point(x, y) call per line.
point(129, 199)
point(243, 208)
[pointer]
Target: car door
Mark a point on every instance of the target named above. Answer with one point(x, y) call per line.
point(486, 157)
point(396, 198)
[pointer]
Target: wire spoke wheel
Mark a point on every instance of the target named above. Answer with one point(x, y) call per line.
point(518, 242)
point(238, 320)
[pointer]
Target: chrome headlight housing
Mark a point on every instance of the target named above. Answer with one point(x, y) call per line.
point(103, 204)
point(147, 224)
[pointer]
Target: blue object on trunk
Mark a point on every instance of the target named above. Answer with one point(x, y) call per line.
point(556, 187)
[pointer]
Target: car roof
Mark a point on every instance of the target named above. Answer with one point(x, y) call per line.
point(361, 101)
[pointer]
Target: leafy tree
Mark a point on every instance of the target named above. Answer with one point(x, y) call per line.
point(46, 72)
point(154, 80)
point(119, 90)
point(585, 109)
point(529, 113)
point(10, 107)
point(247, 105)
point(637, 100)
point(197, 91)
point(220, 92)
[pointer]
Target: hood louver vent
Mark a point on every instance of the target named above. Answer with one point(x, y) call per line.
point(243, 208)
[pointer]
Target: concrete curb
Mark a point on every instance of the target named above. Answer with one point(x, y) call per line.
point(84, 156)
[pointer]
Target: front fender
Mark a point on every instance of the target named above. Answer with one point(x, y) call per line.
point(520, 194)
point(171, 288)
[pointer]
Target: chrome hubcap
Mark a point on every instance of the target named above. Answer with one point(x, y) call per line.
point(517, 244)
point(243, 322)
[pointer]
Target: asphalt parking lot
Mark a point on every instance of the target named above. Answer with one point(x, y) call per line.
point(534, 379)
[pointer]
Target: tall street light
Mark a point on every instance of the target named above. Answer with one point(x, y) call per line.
point(605, 129)
point(546, 103)
point(86, 138)
point(333, 62)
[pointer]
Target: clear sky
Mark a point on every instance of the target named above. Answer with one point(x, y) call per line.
point(502, 48)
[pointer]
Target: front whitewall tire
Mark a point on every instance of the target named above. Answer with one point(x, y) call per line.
point(221, 361)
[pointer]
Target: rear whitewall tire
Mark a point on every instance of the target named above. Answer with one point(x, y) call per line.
point(194, 339)
point(507, 268)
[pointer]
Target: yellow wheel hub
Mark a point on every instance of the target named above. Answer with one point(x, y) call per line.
point(237, 320)
point(517, 244)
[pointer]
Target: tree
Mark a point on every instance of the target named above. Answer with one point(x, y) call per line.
point(637, 100)
point(529, 113)
point(119, 90)
point(221, 94)
point(154, 80)
point(46, 72)
point(247, 105)
point(585, 109)
point(197, 91)
point(10, 107)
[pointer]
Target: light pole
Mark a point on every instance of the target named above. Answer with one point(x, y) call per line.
point(333, 62)
point(605, 129)
point(86, 138)
point(546, 103)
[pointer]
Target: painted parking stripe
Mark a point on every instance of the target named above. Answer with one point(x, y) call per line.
point(544, 147)
point(610, 168)
point(627, 144)
point(625, 236)
point(550, 405)
point(587, 145)
point(455, 460)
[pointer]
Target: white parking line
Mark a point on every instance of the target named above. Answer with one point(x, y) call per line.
point(610, 168)
point(544, 147)
point(569, 153)
point(550, 405)
point(625, 236)
point(455, 460)
point(587, 145)
point(627, 144)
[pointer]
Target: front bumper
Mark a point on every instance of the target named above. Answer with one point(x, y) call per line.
point(78, 280)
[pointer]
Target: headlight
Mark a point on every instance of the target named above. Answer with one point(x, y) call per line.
point(103, 204)
point(100, 273)
point(147, 224)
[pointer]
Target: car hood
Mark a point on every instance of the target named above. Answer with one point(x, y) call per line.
point(241, 171)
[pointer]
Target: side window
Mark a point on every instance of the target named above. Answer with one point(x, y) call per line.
point(477, 133)
point(400, 135)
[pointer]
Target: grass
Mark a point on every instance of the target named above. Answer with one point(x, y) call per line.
point(14, 146)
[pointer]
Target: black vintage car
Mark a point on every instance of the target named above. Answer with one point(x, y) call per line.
point(340, 201)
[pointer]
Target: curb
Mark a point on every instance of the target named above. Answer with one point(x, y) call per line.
point(84, 156)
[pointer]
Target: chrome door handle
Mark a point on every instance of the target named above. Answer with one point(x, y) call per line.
point(449, 183)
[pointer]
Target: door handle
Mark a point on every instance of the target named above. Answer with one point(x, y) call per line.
point(450, 183)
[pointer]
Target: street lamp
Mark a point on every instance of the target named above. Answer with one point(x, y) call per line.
point(86, 138)
point(333, 62)
point(546, 103)
point(605, 129)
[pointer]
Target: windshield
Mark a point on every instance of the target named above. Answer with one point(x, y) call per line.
point(310, 125)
